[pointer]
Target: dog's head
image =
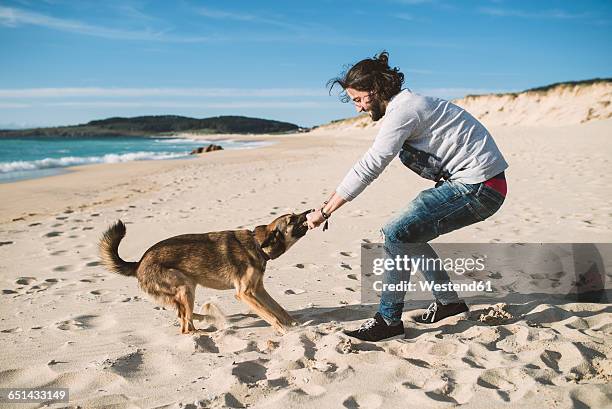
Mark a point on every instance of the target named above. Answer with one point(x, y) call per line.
point(282, 233)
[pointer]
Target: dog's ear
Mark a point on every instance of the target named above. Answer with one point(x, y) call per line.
point(274, 244)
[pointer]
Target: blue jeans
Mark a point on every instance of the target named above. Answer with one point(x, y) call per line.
point(436, 211)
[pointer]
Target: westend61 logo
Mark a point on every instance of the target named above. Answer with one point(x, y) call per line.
point(497, 271)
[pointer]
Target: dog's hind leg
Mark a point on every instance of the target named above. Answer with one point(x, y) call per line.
point(170, 286)
point(180, 312)
point(184, 298)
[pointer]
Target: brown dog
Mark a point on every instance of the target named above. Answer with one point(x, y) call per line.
point(171, 269)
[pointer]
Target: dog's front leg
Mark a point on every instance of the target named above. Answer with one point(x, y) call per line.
point(265, 298)
point(262, 310)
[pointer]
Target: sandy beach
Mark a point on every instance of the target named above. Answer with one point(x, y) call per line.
point(66, 322)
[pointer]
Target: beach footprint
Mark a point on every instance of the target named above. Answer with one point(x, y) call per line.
point(43, 285)
point(25, 280)
point(295, 291)
point(86, 322)
point(63, 268)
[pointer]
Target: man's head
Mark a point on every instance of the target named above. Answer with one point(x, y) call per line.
point(370, 84)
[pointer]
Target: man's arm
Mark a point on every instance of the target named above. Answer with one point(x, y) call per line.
point(398, 126)
point(316, 218)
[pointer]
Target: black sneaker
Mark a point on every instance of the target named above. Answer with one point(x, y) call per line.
point(376, 329)
point(437, 312)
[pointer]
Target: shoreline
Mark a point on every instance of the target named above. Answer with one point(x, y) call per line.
point(33, 193)
point(44, 173)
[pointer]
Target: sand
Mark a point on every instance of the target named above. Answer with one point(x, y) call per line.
point(66, 322)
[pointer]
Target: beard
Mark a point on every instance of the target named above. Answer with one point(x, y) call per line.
point(377, 109)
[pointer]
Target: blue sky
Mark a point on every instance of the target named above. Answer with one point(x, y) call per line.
point(68, 62)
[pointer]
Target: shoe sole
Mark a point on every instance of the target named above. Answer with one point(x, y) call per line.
point(401, 336)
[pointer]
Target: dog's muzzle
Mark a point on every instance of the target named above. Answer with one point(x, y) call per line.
point(301, 226)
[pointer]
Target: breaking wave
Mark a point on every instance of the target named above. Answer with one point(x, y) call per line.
point(49, 163)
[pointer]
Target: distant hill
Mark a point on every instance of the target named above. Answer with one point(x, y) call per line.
point(562, 103)
point(558, 104)
point(159, 125)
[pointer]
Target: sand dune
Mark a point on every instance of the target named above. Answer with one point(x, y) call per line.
point(555, 105)
point(66, 322)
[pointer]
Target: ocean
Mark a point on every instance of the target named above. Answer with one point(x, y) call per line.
point(28, 158)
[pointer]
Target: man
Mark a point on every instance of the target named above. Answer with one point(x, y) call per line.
point(439, 141)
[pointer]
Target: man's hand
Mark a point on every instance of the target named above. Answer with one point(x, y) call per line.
point(315, 219)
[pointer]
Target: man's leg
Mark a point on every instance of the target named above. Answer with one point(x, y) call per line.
point(408, 234)
point(392, 302)
point(433, 212)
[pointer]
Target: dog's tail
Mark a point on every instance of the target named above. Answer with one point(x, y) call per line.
point(109, 251)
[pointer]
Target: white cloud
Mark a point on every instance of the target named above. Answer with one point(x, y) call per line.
point(234, 97)
point(305, 28)
point(452, 93)
point(225, 15)
point(9, 105)
point(544, 14)
point(295, 33)
point(419, 71)
point(13, 17)
point(200, 105)
point(75, 98)
point(14, 125)
point(148, 92)
point(228, 15)
point(404, 16)
point(154, 97)
point(414, 2)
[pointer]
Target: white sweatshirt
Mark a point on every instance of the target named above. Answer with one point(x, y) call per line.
point(435, 138)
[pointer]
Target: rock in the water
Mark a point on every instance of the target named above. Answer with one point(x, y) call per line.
point(202, 149)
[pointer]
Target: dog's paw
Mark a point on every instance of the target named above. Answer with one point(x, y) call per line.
point(281, 330)
point(287, 327)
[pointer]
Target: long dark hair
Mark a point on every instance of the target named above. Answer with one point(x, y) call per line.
point(371, 74)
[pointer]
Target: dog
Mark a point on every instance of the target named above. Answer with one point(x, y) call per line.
point(170, 270)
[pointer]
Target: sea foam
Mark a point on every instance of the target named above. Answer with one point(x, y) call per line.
point(48, 163)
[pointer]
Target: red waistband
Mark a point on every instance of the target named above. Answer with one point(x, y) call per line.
point(498, 182)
